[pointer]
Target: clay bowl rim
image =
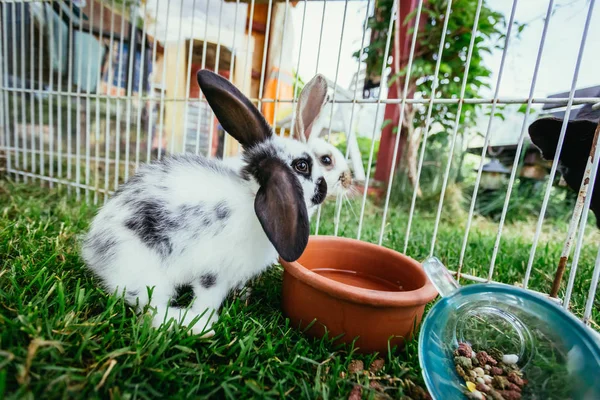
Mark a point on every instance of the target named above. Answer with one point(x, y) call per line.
point(417, 297)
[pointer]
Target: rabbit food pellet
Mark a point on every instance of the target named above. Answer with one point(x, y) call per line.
point(489, 374)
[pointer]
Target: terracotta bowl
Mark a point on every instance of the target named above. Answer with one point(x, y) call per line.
point(383, 299)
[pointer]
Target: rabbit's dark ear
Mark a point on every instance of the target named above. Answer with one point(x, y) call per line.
point(310, 103)
point(545, 133)
point(238, 116)
point(281, 209)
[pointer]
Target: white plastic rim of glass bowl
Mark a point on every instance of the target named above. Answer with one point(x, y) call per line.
point(440, 277)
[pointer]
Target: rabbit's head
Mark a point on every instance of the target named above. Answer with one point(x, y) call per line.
point(289, 178)
point(310, 104)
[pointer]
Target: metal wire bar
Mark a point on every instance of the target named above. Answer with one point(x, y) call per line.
point(587, 314)
point(203, 65)
point(335, 84)
point(7, 119)
point(79, 44)
point(231, 64)
point(23, 114)
point(401, 119)
point(293, 120)
point(285, 18)
point(212, 125)
point(507, 198)
point(4, 140)
point(457, 123)
point(108, 90)
point(50, 100)
point(151, 111)
point(561, 138)
point(59, 107)
point(584, 216)
point(248, 52)
point(427, 122)
point(383, 83)
point(177, 68)
point(97, 113)
point(162, 105)
point(87, 112)
point(488, 136)
point(264, 58)
point(32, 98)
point(131, 59)
point(576, 218)
point(65, 182)
point(188, 79)
point(15, 104)
point(320, 36)
point(119, 107)
point(111, 161)
point(138, 136)
point(526, 118)
point(338, 205)
point(482, 100)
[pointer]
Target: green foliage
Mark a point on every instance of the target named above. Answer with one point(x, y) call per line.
point(525, 202)
point(491, 28)
point(491, 36)
point(524, 205)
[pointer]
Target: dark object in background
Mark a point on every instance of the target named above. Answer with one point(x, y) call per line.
point(575, 152)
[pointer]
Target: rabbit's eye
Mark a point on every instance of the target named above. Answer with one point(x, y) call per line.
point(326, 160)
point(301, 166)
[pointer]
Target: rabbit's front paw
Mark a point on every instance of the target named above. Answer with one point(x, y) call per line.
point(203, 326)
point(181, 317)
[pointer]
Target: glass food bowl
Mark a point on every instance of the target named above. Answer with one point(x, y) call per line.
point(558, 354)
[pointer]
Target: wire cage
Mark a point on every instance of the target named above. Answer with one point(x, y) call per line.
point(92, 89)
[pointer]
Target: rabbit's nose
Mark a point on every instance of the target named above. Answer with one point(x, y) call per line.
point(346, 179)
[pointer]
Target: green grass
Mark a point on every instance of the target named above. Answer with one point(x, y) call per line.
point(63, 337)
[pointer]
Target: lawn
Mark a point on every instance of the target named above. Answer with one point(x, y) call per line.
point(62, 337)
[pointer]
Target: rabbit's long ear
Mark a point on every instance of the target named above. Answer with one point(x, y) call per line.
point(310, 103)
point(545, 133)
point(281, 210)
point(238, 116)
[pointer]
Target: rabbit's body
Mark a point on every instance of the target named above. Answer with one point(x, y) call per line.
point(189, 222)
point(162, 229)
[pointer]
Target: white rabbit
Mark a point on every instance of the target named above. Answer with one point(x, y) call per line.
point(311, 101)
point(310, 104)
point(187, 222)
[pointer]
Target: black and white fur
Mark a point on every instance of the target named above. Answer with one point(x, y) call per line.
point(190, 222)
point(310, 104)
